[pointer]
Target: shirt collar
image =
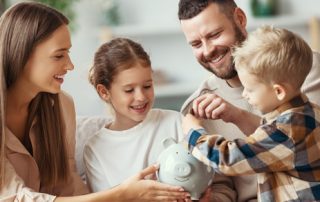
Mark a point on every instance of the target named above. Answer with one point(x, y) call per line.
point(297, 101)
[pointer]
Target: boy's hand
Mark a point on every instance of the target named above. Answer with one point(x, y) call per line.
point(190, 122)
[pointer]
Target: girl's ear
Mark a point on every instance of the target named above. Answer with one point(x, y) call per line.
point(280, 91)
point(103, 92)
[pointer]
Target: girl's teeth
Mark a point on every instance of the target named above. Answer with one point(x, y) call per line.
point(138, 107)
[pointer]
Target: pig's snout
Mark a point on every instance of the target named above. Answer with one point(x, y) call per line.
point(182, 169)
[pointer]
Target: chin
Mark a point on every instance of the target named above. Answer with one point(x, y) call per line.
point(55, 91)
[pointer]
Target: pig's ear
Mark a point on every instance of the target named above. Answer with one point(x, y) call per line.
point(168, 141)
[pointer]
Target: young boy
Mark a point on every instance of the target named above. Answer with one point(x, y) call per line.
point(272, 64)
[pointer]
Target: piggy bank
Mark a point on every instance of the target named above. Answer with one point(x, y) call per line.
point(178, 167)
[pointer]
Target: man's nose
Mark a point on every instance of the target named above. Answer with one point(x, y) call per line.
point(208, 48)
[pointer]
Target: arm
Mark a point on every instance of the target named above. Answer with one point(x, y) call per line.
point(211, 106)
point(221, 189)
point(74, 185)
point(311, 85)
point(133, 189)
point(268, 146)
point(14, 188)
point(95, 176)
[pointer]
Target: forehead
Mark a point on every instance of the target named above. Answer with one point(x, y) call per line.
point(58, 40)
point(211, 18)
point(134, 74)
point(248, 78)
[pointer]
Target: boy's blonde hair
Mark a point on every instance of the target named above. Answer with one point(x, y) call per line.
point(275, 56)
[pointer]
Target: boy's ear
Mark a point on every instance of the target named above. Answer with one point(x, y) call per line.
point(103, 92)
point(280, 91)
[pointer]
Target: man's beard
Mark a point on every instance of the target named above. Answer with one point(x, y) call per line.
point(230, 71)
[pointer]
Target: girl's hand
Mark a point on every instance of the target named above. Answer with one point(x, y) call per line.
point(137, 188)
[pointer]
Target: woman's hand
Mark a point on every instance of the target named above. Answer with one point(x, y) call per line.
point(137, 188)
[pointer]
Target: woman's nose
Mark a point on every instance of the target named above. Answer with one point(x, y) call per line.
point(69, 65)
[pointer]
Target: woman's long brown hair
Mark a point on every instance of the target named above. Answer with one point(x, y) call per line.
point(22, 28)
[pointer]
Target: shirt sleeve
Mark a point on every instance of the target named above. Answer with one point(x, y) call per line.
point(269, 149)
point(14, 188)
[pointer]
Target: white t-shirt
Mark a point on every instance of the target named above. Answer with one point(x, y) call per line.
point(111, 156)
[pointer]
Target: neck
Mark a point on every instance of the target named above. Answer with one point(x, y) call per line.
point(234, 82)
point(122, 125)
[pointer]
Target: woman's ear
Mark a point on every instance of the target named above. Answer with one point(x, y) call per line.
point(280, 91)
point(103, 92)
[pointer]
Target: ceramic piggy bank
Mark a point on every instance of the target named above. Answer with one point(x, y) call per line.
point(178, 167)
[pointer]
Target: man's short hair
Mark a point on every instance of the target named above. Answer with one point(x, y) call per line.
point(275, 56)
point(191, 8)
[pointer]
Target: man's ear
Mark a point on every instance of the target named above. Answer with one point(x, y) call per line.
point(103, 92)
point(280, 91)
point(240, 18)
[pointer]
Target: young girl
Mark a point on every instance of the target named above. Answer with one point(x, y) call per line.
point(37, 140)
point(122, 76)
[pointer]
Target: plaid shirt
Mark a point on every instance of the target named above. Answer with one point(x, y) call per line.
point(284, 151)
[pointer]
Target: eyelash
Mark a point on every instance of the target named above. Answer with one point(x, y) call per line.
point(58, 56)
point(128, 91)
point(131, 90)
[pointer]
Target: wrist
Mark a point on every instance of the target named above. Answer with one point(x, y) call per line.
point(238, 116)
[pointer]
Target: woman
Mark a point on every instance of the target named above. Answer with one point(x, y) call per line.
point(37, 140)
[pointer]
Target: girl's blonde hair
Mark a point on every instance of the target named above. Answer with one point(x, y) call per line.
point(275, 56)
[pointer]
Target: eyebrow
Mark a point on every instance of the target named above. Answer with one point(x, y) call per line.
point(62, 49)
point(130, 84)
point(214, 31)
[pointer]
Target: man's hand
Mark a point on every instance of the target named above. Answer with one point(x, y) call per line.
point(211, 106)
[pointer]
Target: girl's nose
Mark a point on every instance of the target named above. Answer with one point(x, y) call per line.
point(140, 95)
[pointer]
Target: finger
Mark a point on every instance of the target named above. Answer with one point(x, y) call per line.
point(212, 108)
point(165, 187)
point(206, 195)
point(148, 171)
point(172, 195)
point(196, 103)
point(204, 104)
point(217, 113)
